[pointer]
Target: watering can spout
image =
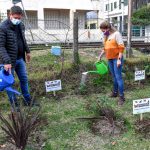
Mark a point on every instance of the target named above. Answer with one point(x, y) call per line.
point(10, 89)
point(93, 72)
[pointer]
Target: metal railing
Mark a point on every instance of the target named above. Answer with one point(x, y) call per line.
point(59, 31)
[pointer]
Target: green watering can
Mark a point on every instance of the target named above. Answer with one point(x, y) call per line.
point(101, 68)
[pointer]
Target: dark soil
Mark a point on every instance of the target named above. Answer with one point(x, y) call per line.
point(104, 128)
point(143, 127)
point(106, 124)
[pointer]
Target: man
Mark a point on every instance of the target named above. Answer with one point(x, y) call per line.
point(14, 51)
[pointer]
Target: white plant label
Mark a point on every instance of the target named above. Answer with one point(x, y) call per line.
point(53, 85)
point(141, 106)
point(139, 75)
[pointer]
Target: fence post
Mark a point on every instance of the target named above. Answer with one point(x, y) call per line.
point(129, 36)
point(75, 40)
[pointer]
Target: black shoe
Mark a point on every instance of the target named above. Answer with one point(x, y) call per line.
point(121, 100)
point(114, 94)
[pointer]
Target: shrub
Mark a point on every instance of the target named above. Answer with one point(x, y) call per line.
point(19, 125)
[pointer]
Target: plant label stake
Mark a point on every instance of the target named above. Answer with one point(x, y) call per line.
point(141, 106)
point(141, 117)
point(53, 86)
point(54, 93)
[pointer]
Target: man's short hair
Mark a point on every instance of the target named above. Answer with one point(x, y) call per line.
point(16, 10)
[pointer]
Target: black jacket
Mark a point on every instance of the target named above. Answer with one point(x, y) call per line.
point(8, 42)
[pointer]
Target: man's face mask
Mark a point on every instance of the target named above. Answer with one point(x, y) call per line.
point(15, 18)
point(15, 21)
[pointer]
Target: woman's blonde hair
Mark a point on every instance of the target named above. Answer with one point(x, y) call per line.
point(107, 25)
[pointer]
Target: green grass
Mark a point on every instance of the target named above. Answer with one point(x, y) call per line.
point(64, 130)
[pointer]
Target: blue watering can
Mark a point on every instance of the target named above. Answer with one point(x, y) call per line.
point(6, 81)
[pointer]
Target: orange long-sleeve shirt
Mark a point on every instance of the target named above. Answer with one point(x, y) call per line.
point(113, 45)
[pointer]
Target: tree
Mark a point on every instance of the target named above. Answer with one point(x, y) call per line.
point(141, 16)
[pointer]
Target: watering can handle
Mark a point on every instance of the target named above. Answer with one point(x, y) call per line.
point(99, 61)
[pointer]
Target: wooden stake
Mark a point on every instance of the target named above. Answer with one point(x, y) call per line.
point(54, 93)
point(141, 117)
point(139, 83)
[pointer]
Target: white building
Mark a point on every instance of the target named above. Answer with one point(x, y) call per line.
point(61, 10)
point(54, 16)
point(116, 11)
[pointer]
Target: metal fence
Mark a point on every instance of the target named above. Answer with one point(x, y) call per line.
point(53, 30)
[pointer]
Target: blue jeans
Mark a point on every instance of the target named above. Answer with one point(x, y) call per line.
point(20, 69)
point(116, 72)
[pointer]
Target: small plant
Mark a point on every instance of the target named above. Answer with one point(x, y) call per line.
point(82, 88)
point(19, 125)
point(147, 70)
point(106, 110)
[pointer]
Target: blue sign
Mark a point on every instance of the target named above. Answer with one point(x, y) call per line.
point(56, 50)
point(16, 1)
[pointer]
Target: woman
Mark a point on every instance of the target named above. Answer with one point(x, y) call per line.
point(113, 49)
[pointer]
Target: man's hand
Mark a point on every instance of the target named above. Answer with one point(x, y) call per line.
point(8, 67)
point(28, 57)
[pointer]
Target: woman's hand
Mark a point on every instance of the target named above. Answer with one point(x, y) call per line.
point(118, 62)
point(99, 58)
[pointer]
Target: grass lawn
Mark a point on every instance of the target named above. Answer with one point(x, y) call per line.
point(63, 129)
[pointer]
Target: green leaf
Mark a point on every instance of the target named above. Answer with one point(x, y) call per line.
point(141, 16)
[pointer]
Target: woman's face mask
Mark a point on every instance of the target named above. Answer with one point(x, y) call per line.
point(105, 31)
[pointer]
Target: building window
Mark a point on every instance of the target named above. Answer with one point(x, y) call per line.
point(125, 2)
point(135, 30)
point(115, 5)
point(56, 19)
point(32, 18)
point(107, 7)
point(143, 31)
point(93, 26)
point(111, 6)
point(119, 4)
